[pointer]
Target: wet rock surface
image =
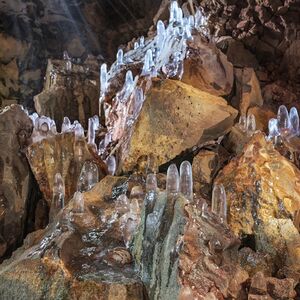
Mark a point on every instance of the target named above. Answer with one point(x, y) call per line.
point(78, 256)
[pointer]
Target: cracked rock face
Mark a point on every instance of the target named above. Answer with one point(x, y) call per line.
point(174, 118)
point(15, 129)
point(263, 193)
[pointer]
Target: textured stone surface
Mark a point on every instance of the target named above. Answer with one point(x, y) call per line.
point(207, 68)
point(263, 192)
point(72, 93)
point(81, 257)
point(57, 155)
point(176, 117)
point(15, 129)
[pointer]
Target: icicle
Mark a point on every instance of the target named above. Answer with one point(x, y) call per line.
point(148, 63)
point(273, 128)
point(79, 131)
point(172, 180)
point(88, 177)
point(128, 87)
point(179, 16)
point(142, 41)
point(68, 61)
point(111, 165)
point(173, 12)
point(243, 123)
point(79, 146)
point(284, 123)
point(78, 202)
point(191, 21)
point(91, 131)
point(251, 124)
point(120, 57)
point(186, 180)
point(199, 19)
point(66, 125)
point(151, 183)
point(58, 196)
point(136, 45)
point(161, 33)
point(219, 201)
point(53, 128)
point(103, 78)
point(294, 118)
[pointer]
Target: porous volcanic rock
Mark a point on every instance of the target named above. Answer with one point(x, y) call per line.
point(15, 129)
point(176, 117)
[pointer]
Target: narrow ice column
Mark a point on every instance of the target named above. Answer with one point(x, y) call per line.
point(88, 177)
point(172, 186)
point(58, 196)
point(186, 180)
point(219, 201)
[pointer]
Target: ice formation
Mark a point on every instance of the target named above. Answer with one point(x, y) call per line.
point(88, 177)
point(186, 180)
point(219, 201)
point(58, 197)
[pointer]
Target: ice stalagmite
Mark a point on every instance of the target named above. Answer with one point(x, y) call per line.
point(103, 78)
point(78, 202)
point(111, 165)
point(251, 124)
point(172, 185)
point(151, 183)
point(219, 201)
point(120, 57)
point(284, 123)
point(273, 129)
point(58, 197)
point(294, 119)
point(186, 180)
point(66, 125)
point(88, 177)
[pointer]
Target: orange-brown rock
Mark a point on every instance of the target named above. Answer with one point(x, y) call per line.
point(174, 118)
point(207, 68)
point(248, 93)
point(15, 130)
point(263, 192)
point(58, 154)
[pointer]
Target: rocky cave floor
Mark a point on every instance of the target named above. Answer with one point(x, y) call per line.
point(92, 205)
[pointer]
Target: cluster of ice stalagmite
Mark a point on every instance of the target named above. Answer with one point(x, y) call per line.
point(247, 124)
point(285, 126)
point(161, 56)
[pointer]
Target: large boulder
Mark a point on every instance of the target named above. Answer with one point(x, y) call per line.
point(15, 128)
point(174, 118)
point(263, 193)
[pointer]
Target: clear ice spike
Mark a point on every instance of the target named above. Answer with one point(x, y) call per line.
point(243, 123)
point(58, 196)
point(78, 202)
point(88, 177)
point(151, 183)
point(111, 165)
point(273, 128)
point(172, 185)
point(103, 78)
point(120, 58)
point(284, 123)
point(91, 131)
point(66, 125)
point(186, 180)
point(219, 201)
point(251, 124)
point(294, 118)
